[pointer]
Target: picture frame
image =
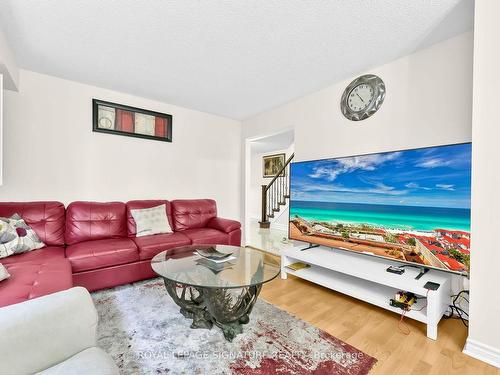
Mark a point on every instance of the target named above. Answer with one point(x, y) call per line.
point(271, 164)
point(119, 119)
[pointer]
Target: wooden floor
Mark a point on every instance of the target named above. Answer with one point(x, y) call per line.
point(374, 331)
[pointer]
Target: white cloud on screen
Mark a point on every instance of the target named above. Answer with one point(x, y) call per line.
point(351, 164)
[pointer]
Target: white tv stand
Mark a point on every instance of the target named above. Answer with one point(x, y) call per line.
point(366, 278)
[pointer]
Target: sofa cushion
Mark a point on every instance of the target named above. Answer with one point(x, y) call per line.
point(192, 213)
point(149, 246)
point(91, 255)
point(149, 221)
point(87, 221)
point(31, 280)
point(224, 225)
point(45, 331)
point(40, 256)
point(206, 236)
point(139, 204)
point(93, 360)
point(46, 218)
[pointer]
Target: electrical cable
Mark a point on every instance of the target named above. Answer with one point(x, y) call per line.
point(406, 330)
point(402, 324)
point(461, 313)
point(408, 265)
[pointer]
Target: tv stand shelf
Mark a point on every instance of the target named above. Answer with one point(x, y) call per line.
point(366, 278)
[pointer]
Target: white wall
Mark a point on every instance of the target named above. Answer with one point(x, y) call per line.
point(9, 77)
point(484, 331)
point(428, 102)
point(8, 65)
point(50, 151)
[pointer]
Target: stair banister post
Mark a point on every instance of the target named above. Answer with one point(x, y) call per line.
point(264, 204)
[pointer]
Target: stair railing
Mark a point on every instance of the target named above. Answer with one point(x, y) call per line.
point(275, 193)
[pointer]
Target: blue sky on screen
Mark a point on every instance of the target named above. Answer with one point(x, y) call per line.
point(429, 177)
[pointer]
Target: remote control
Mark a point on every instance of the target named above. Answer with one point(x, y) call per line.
point(396, 270)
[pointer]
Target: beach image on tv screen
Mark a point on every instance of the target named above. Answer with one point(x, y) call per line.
point(411, 205)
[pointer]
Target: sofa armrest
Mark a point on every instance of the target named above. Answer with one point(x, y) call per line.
point(224, 225)
point(40, 333)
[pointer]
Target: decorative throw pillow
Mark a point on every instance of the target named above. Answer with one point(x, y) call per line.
point(8, 234)
point(7, 231)
point(17, 237)
point(3, 273)
point(151, 221)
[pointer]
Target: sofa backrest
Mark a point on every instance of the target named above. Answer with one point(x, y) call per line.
point(46, 219)
point(86, 221)
point(192, 213)
point(139, 204)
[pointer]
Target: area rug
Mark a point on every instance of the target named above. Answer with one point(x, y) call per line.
point(141, 328)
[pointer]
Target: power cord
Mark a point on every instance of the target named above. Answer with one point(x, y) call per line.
point(402, 326)
point(455, 309)
point(461, 313)
point(408, 265)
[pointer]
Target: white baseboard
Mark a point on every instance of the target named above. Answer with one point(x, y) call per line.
point(482, 352)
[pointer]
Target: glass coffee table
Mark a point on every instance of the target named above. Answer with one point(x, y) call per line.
point(210, 293)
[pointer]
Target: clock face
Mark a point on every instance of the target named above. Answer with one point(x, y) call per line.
point(360, 97)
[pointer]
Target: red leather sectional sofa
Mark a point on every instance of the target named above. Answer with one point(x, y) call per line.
point(93, 244)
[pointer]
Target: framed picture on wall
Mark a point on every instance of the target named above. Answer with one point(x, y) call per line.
point(272, 164)
point(121, 119)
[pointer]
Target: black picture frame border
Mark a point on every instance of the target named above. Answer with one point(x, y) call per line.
point(95, 128)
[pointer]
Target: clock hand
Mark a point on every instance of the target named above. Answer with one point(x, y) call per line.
point(360, 98)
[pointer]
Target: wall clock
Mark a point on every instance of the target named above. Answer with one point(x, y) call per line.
point(363, 97)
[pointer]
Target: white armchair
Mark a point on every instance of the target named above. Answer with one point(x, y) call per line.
point(54, 334)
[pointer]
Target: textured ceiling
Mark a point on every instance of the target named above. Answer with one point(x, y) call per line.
point(233, 58)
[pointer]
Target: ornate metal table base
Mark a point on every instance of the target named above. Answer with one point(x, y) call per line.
point(228, 309)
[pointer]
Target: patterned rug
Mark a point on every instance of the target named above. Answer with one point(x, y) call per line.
point(142, 329)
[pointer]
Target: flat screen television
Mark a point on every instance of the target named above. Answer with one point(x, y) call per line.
point(410, 206)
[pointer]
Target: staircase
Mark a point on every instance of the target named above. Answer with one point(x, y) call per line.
point(275, 194)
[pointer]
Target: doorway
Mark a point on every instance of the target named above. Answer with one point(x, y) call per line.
point(276, 236)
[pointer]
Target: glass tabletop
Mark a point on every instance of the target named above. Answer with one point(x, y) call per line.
point(241, 268)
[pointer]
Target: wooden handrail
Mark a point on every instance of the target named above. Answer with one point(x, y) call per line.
point(280, 172)
point(280, 193)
